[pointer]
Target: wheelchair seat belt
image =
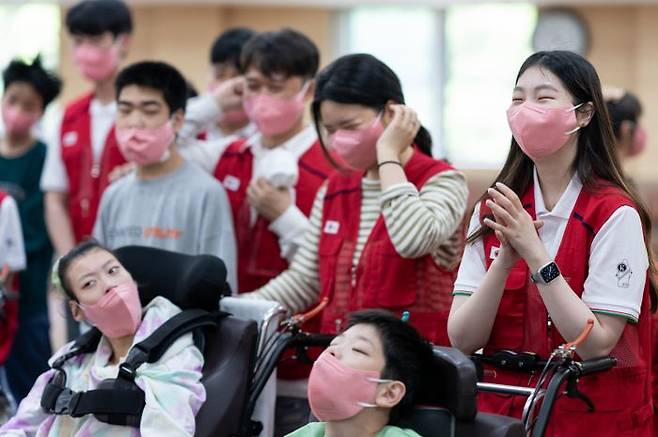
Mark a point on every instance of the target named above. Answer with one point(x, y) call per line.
point(119, 401)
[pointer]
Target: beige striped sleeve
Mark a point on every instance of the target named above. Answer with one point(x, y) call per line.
point(424, 222)
point(298, 287)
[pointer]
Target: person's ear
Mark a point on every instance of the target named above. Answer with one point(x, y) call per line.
point(124, 41)
point(78, 314)
point(388, 113)
point(584, 114)
point(177, 119)
point(625, 140)
point(626, 131)
point(310, 91)
point(390, 394)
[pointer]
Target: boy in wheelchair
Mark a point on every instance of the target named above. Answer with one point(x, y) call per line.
point(103, 293)
point(367, 379)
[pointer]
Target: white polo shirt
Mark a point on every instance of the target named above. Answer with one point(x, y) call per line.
point(54, 177)
point(12, 250)
point(618, 258)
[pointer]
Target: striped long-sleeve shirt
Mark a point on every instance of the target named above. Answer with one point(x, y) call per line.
point(419, 223)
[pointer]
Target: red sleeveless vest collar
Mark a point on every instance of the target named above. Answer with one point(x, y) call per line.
point(382, 278)
point(622, 395)
point(87, 179)
point(259, 257)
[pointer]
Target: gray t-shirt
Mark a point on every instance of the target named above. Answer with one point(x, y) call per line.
point(184, 211)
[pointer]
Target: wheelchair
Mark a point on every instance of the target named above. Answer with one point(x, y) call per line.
point(241, 354)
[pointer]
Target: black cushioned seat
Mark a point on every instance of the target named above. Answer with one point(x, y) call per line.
point(451, 399)
point(229, 350)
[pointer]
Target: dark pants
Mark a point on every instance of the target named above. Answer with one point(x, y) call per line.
point(290, 415)
point(29, 354)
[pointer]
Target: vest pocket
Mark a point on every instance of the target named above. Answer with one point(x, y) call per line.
point(509, 326)
point(391, 281)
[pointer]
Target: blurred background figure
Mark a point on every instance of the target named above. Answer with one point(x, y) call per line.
point(625, 112)
point(28, 90)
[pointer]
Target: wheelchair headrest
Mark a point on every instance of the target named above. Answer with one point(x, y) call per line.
point(188, 281)
point(454, 383)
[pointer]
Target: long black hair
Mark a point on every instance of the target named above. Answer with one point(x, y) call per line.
point(596, 159)
point(364, 80)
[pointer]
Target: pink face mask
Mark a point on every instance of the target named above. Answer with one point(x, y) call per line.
point(357, 149)
point(639, 141)
point(541, 131)
point(96, 63)
point(17, 122)
point(274, 115)
point(118, 313)
point(337, 392)
point(145, 146)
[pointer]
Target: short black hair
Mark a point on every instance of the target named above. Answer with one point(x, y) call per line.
point(626, 108)
point(46, 83)
point(95, 17)
point(228, 46)
point(61, 268)
point(159, 76)
point(407, 354)
point(285, 52)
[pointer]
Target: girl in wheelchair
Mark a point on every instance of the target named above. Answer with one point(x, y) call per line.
point(368, 378)
point(103, 293)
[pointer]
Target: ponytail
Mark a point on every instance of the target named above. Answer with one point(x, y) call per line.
point(423, 141)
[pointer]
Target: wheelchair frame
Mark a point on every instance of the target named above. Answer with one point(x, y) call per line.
point(564, 369)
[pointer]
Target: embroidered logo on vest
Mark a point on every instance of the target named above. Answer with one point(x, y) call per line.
point(493, 254)
point(70, 138)
point(231, 183)
point(331, 227)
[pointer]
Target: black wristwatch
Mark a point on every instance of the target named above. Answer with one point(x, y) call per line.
point(546, 274)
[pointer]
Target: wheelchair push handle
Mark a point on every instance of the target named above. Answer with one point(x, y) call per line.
point(596, 365)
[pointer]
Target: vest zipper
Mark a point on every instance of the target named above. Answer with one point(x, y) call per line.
point(549, 326)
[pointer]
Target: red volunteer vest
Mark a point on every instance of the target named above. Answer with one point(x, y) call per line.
point(87, 180)
point(259, 255)
point(383, 279)
point(622, 396)
point(9, 319)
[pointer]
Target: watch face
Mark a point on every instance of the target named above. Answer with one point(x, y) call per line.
point(550, 272)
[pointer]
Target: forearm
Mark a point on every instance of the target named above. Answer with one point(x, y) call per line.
point(201, 112)
point(58, 222)
point(292, 289)
point(472, 317)
point(419, 223)
point(290, 228)
point(570, 314)
point(390, 174)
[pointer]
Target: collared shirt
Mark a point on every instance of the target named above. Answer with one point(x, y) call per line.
point(54, 176)
point(618, 258)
